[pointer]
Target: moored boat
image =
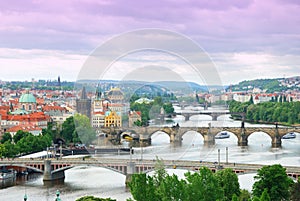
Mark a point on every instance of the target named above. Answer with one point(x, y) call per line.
point(222, 135)
point(290, 135)
point(8, 174)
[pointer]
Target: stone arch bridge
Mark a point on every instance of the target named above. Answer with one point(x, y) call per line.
point(214, 115)
point(175, 133)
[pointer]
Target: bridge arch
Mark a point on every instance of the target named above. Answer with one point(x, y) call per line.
point(35, 169)
point(198, 116)
point(265, 139)
point(110, 168)
point(160, 133)
point(197, 138)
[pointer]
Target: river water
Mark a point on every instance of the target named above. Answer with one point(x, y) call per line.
point(100, 182)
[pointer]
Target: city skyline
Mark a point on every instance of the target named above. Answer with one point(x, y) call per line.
point(244, 39)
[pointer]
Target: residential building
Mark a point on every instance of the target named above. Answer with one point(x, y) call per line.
point(112, 119)
point(134, 116)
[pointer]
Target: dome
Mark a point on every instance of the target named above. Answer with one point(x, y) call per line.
point(27, 98)
point(115, 92)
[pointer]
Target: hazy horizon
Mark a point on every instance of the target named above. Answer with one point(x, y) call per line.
point(245, 40)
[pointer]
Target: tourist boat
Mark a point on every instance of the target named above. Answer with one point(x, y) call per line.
point(289, 136)
point(8, 174)
point(222, 135)
point(128, 138)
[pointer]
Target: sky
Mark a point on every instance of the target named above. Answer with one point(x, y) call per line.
point(248, 39)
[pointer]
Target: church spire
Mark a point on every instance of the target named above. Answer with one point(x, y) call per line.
point(98, 93)
point(83, 94)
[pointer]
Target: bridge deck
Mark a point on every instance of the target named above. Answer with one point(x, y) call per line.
point(179, 164)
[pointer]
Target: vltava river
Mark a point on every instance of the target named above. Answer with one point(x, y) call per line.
point(101, 182)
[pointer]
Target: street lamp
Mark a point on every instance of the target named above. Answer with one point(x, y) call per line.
point(226, 155)
point(219, 158)
point(57, 196)
point(60, 156)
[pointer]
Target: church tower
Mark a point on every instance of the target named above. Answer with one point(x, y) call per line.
point(83, 104)
point(98, 102)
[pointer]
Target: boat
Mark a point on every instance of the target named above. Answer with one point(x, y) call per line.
point(222, 135)
point(7, 175)
point(128, 138)
point(290, 135)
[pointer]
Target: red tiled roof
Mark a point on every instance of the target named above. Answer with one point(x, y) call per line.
point(53, 107)
point(28, 128)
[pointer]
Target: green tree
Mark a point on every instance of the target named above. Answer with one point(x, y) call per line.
point(229, 182)
point(159, 171)
point(265, 196)
point(172, 189)
point(275, 180)
point(251, 100)
point(30, 143)
point(10, 150)
point(244, 195)
point(84, 129)
point(295, 191)
point(203, 186)
point(2, 150)
point(68, 131)
point(142, 188)
point(235, 198)
point(6, 138)
point(168, 107)
point(92, 198)
point(19, 135)
point(138, 123)
point(255, 198)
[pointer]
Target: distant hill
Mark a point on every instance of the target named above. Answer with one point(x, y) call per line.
point(182, 86)
point(268, 85)
point(141, 87)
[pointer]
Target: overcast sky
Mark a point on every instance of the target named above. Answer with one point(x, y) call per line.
point(245, 39)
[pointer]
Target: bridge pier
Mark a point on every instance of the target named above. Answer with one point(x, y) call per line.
point(243, 139)
point(47, 170)
point(49, 176)
point(214, 117)
point(276, 142)
point(144, 139)
point(175, 138)
point(145, 142)
point(209, 139)
point(186, 117)
point(130, 171)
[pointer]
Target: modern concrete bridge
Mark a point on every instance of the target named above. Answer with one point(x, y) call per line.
point(53, 169)
point(175, 133)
